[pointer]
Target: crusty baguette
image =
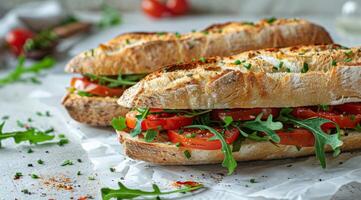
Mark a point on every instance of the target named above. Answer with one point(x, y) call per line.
point(135, 53)
point(164, 153)
point(95, 111)
point(220, 83)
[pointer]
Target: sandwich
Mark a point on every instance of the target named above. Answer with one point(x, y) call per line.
point(112, 67)
point(257, 105)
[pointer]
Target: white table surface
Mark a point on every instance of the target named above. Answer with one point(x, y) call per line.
point(14, 158)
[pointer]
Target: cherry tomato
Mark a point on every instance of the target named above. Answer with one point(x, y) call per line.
point(84, 84)
point(344, 121)
point(244, 114)
point(178, 7)
point(199, 139)
point(154, 8)
point(17, 38)
point(165, 121)
point(298, 137)
point(350, 108)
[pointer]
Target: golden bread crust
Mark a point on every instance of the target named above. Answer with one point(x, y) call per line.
point(135, 53)
point(254, 79)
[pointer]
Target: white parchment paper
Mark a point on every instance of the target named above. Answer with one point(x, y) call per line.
point(300, 178)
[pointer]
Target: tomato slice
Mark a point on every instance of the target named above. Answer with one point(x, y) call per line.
point(84, 84)
point(201, 138)
point(298, 137)
point(344, 121)
point(165, 121)
point(245, 114)
point(350, 108)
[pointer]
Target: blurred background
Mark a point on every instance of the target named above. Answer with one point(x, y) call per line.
point(64, 28)
point(251, 7)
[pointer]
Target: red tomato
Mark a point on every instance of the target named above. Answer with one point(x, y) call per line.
point(241, 114)
point(187, 183)
point(200, 139)
point(344, 121)
point(177, 7)
point(84, 84)
point(349, 108)
point(17, 38)
point(154, 8)
point(165, 121)
point(298, 137)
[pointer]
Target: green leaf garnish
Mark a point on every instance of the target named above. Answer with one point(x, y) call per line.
point(358, 128)
point(247, 65)
point(267, 127)
point(121, 80)
point(229, 162)
point(119, 123)
point(271, 20)
point(84, 94)
point(187, 154)
point(236, 145)
point(150, 135)
point(305, 68)
point(227, 121)
point(140, 117)
point(30, 135)
point(321, 138)
point(20, 70)
point(67, 162)
point(34, 176)
point(126, 193)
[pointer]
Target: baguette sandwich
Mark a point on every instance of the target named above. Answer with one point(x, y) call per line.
point(112, 67)
point(257, 105)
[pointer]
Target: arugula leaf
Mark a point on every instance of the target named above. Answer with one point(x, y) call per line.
point(84, 94)
point(228, 160)
point(150, 135)
point(358, 128)
point(267, 127)
point(30, 135)
point(321, 138)
point(227, 121)
point(121, 80)
point(110, 17)
point(138, 126)
point(252, 136)
point(236, 145)
point(20, 70)
point(126, 193)
point(119, 123)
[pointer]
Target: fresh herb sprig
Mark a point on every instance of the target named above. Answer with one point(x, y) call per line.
point(127, 193)
point(143, 113)
point(30, 135)
point(20, 70)
point(121, 80)
point(119, 123)
point(229, 162)
point(321, 138)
